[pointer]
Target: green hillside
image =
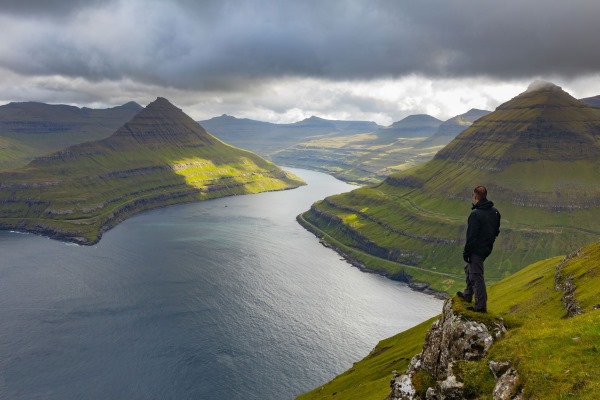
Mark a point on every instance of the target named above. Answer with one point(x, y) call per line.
point(160, 157)
point(30, 129)
point(539, 156)
point(556, 357)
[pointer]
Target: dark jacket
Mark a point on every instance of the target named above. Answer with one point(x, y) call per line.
point(483, 227)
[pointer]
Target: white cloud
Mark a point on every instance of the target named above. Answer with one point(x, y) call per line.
point(292, 99)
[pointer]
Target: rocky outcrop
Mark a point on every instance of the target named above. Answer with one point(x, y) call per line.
point(564, 283)
point(450, 340)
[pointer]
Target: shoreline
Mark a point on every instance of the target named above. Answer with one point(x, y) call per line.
point(420, 287)
point(42, 229)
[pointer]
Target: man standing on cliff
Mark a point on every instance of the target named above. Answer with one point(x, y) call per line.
point(482, 230)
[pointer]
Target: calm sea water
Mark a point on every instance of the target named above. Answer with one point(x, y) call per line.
point(223, 299)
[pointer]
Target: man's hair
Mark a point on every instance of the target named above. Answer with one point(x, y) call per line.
point(481, 192)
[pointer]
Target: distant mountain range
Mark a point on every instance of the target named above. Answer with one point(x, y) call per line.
point(265, 138)
point(538, 154)
point(369, 157)
point(593, 101)
point(30, 129)
point(160, 157)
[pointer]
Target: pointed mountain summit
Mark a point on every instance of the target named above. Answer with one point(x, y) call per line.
point(163, 123)
point(538, 156)
point(537, 131)
point(160, 157)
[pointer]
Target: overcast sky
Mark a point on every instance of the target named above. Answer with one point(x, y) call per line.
point(282, 61)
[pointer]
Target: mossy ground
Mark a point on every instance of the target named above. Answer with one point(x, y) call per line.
point(556, 357)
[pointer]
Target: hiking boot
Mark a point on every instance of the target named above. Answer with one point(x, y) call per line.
point(480, 310)
point(466, 297)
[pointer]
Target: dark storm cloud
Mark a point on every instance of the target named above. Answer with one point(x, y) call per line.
point(227, 44)
point(48, 7)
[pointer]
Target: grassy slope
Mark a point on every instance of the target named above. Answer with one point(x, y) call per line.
point(540, 165)
point(14, 153)
point(29, 130)
point(557, 358)
point(161, 157)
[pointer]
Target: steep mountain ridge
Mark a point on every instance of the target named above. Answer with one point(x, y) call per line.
point(543, 133)
point(538, 156)
point(562, 128)
point(160, 157)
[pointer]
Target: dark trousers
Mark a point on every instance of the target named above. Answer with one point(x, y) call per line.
point(476, 283)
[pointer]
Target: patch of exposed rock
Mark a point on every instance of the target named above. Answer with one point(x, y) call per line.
point(451, 339)
point(564, 283)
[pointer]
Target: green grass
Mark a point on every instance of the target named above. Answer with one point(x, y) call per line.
point(556, 357)
point(438, 281)
point(407, 228)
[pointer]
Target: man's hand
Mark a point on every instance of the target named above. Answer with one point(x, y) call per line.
point(466, 257)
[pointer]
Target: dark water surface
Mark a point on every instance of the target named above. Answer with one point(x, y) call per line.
point(223, 299)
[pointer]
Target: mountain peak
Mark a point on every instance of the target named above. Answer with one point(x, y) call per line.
point(543, 95)
point(160, 122)
point(542, 124)
point(163, 103)
point(313, 118)
point(314, 121)
point(419, 118)
point(542, 85)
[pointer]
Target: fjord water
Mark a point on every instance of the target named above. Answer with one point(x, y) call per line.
point(222, 299)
